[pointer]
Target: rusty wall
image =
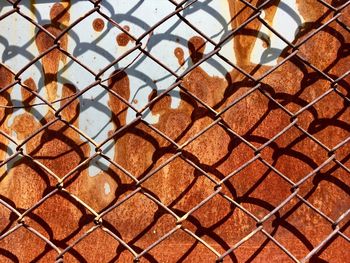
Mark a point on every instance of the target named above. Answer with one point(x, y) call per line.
point(122, 140)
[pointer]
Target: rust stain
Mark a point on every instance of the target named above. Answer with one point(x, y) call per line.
point(6, 78)
point(245, 40)
point(50, 62)
point(179, 54)
point(212, 146)
point(59, 148)
point(32, 8)
point(139, 149)
point(28, 97)
point(92, 187)
point(207, 88)
point(119, 82)
point(310, 10)
point(71, 112)
point(98, 24)
point(196, 46)
point(125, 145)
point(270, 11)
point(123, 39)
point(59, 14)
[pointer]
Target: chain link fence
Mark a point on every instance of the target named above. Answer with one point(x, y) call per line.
point(250, 167)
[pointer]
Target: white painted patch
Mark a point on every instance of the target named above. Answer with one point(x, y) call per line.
point(107, 188)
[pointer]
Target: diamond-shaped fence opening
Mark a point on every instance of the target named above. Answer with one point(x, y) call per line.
point(170, 131)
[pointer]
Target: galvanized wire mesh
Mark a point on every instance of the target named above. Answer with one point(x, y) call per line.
point(336, 85)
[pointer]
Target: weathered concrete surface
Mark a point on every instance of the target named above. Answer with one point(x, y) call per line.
point(139, 221)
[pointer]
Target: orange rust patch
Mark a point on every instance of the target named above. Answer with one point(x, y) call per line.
point(119, 83)
point(13, 184)
point(128, 145)
point(24, 125)
point(162, 104)
point(270, 10)
point(179, 54)
point(196, 46)
point(245, 39)
point(123, 39)
point(57, 147)
point(98, 24)
point(310, 10)
point(257, 189)
point(71, 112)
point(6, 78)
point(50, 62)
point(28, 97)
point(59, 14)
point(209, 89)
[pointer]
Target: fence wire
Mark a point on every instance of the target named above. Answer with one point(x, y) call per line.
point(99, 218)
